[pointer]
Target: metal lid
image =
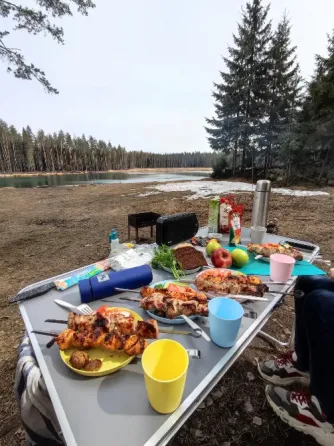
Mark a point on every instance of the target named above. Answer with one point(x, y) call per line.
point(263, 186)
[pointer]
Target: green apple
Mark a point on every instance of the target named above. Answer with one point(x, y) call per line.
point(239, 258)
point(211, 246)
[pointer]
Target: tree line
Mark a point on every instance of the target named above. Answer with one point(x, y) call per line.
point(59, 152)
point(268, 120)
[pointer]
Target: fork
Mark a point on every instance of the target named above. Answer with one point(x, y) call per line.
point(82, 309)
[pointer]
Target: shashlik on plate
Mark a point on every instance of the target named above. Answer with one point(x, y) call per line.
point(115, 351)
point(223, 281)
point(132, 345)
point(174, 291)
point(111, 322)
point(177, 300)
point(267, 249)
point(171, 308)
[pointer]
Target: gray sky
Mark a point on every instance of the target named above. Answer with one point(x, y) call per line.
point(140, 73)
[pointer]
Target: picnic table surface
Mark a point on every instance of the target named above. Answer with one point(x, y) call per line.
point(114, 409)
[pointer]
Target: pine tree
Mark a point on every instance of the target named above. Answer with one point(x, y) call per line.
point(318, 113)
point(284, 88)
point(28, 148)
point(241, 96)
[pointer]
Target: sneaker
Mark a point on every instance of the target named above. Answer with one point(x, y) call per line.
point(302, 411)
point(282, 371)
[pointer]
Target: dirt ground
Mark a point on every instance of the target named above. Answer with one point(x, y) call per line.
point(45, 232)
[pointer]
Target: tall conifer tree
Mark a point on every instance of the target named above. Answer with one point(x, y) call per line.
point(241, 96)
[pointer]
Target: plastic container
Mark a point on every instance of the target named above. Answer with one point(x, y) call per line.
point(281, 267)
point(257, 234)
point(225, 317)
point(165, 363)
point(114, 242)
point(103, 285)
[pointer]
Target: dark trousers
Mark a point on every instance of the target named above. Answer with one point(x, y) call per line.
point(314, 337)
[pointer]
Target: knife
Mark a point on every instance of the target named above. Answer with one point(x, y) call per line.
point(33, 292)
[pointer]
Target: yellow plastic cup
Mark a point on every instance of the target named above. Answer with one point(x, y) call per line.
point(165, 363)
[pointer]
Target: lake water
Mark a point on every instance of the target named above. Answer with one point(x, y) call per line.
point(99, 178)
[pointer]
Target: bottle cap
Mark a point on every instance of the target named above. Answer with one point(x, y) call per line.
point(113, 235)
point(263, 186)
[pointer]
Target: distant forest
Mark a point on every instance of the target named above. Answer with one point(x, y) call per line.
point(268, 121)
point(60, 152)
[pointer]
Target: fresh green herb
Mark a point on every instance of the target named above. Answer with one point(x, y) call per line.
point(160, 286)
point(164, 257)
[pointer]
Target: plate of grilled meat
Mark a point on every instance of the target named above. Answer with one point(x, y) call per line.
point(167, 301)
point(108, 340)
point(225, 282)
point(267, 249)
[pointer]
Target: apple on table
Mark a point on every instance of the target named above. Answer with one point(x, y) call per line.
point(212, 246)
point(221, 258)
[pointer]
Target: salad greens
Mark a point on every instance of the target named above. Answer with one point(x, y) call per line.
point(164, 257)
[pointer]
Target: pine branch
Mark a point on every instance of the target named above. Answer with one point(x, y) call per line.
point(22, 70)
point(34, 22)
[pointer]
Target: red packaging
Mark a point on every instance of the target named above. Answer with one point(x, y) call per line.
point(225, 207)
point(235, 224)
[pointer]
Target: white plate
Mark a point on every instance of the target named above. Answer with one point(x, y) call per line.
point(267, 259)
point(166, 320)
point(186, 271)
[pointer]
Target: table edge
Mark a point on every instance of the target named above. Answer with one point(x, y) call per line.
point(66, 431)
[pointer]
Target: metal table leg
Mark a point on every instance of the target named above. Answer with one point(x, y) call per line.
point(292, 337)
point(273, 340)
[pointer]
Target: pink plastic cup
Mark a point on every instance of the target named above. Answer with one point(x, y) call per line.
point(281, 267)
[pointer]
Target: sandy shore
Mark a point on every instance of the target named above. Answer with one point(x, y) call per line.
point(167, 170)
point(45, 232)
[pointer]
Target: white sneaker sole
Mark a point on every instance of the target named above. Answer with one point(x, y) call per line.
point(303, 380)
point(322, 437)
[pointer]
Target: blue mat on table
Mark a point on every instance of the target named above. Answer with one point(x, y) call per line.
point(260, 268)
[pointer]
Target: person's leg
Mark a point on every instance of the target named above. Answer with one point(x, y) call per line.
point(293, 367)
point(306, 284)
point(313, 413)
point(319, 321)
point(290, 368)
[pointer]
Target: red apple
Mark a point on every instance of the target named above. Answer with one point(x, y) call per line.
point(221, 258)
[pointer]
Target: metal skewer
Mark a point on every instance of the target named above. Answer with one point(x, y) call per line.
point(196, 333)
point(211, 296)
point(126, 290)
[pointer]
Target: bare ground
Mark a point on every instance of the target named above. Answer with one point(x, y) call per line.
point(45, 232)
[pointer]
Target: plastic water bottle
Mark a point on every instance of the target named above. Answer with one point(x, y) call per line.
point(114, 242)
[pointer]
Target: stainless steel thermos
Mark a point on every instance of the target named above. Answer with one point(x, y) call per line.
point(261, 203)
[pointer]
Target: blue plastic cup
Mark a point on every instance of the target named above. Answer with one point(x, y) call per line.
point(225, 317)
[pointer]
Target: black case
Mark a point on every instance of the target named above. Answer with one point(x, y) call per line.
point(173, 229)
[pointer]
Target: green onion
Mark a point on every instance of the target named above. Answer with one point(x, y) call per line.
point(164, 257)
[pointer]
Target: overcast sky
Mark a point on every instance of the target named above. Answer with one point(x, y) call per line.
point(140, 73)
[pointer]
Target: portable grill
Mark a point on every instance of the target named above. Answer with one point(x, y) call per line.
point(142, 220)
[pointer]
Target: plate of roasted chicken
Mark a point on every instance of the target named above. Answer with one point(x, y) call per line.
point(103, 342)
point(167, 301)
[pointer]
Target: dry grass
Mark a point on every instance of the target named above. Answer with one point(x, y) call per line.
point(45, 232)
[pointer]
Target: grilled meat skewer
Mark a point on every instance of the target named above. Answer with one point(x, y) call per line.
point(173, 308)
point(131, 345)
point(176, 292)
point(212, 280)
point(124, 326)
